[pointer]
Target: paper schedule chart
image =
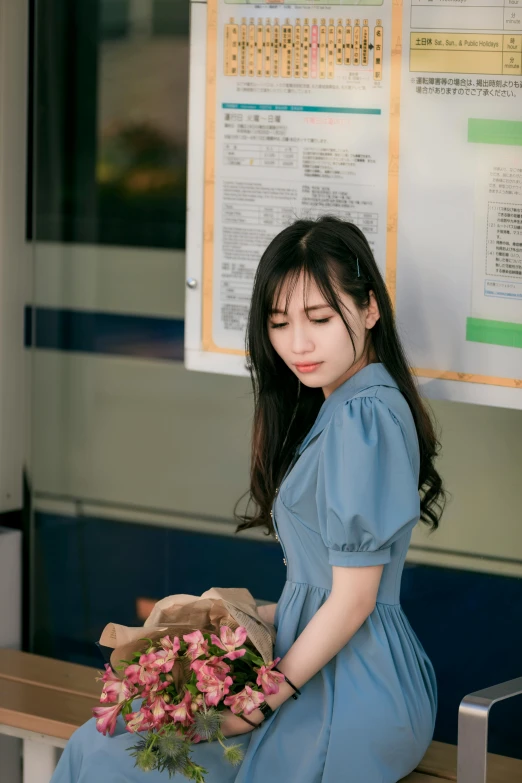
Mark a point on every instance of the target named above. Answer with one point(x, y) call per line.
point(307, 48)
point(286, 88)
point(467, 15)
point(470, 53)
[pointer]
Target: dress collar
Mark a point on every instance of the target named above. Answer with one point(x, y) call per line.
point(374, 374)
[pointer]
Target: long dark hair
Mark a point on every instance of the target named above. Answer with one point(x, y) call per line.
point(335, 254)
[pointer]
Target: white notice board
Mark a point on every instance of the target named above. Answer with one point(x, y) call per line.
point(403, 117)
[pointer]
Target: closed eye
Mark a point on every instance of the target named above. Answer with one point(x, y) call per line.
point(313, 320)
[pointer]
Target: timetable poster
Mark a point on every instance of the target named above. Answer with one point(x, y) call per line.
point(402, 117)
point(301, 121)
point(459, 271)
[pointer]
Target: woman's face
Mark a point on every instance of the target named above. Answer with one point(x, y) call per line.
point(315, 343)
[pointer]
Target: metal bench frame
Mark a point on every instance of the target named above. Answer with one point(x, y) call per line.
point(472, 747)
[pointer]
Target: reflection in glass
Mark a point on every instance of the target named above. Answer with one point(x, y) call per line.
point(111, 121)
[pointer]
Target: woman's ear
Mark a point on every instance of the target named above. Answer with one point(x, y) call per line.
point(372, 312)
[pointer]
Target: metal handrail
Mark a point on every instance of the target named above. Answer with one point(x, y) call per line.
point(472, 749)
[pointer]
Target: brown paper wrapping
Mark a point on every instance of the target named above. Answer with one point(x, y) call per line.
point(180, 614)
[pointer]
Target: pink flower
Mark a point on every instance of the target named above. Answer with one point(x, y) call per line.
point(111, 691)
point(112, 687)
point(141, 675)
point(212, 686)
point(132, 673)
point(221, 669)
point(245, 701)
point(164, 657)
point(170, 644)
point(182, 712)
point(147, 660)
point(139, 721)
point(109, 675)
point(106, 718)
point(158, 710)
point(230, 640)
point(164, 661)
point(128, 691)
point(197, 644)
point(269, 680)
point(115, 689)
point(156, 687)
point(235, 654)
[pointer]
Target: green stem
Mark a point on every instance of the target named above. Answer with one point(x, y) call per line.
point(220, 737)
point(152, 740)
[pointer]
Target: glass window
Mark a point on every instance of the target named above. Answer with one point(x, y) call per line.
point(114, 19)
point(110, 124)
point(170, 18)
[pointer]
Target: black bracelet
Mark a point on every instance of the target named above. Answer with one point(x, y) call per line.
point(255, 725)
point(266, 709)
point(297, 691)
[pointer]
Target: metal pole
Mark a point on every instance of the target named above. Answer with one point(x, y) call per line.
point(472, 760)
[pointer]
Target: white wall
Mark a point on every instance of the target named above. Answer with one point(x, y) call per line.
point(14, 255)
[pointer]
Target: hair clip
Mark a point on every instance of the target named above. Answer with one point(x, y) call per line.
point(358, 270)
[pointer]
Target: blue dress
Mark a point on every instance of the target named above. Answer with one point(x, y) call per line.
point(349, 499)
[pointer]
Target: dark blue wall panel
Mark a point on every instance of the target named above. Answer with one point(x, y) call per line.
point(91, 571)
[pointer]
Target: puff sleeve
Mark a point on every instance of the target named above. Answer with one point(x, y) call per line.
point(367, 488)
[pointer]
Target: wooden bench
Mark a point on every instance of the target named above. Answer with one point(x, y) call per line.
point(43, 701)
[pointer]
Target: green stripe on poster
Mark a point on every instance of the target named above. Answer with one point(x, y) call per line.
point(288, 107)
point(480, 330)
point(508, 132)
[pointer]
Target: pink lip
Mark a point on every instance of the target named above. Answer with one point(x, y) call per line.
point(307, 367)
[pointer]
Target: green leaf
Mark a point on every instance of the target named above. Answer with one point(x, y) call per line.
point(150, 643)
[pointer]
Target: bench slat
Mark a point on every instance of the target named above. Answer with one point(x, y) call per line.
point(441, 761)
point(58, 675)
point(43, 710)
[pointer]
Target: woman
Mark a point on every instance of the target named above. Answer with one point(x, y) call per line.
point(342, 469)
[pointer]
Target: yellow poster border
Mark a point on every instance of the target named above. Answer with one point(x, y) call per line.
point(208, 343)
point(392, 216)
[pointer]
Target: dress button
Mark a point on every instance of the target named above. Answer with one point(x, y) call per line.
point(276, 537)
point(272, 514)
point(284, 560)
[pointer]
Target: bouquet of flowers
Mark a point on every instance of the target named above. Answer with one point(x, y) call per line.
point(185, 681)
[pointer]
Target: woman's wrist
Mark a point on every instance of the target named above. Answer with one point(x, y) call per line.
point(274, 700)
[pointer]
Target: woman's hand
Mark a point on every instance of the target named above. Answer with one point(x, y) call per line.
point(233, 724)
point(267, 612)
